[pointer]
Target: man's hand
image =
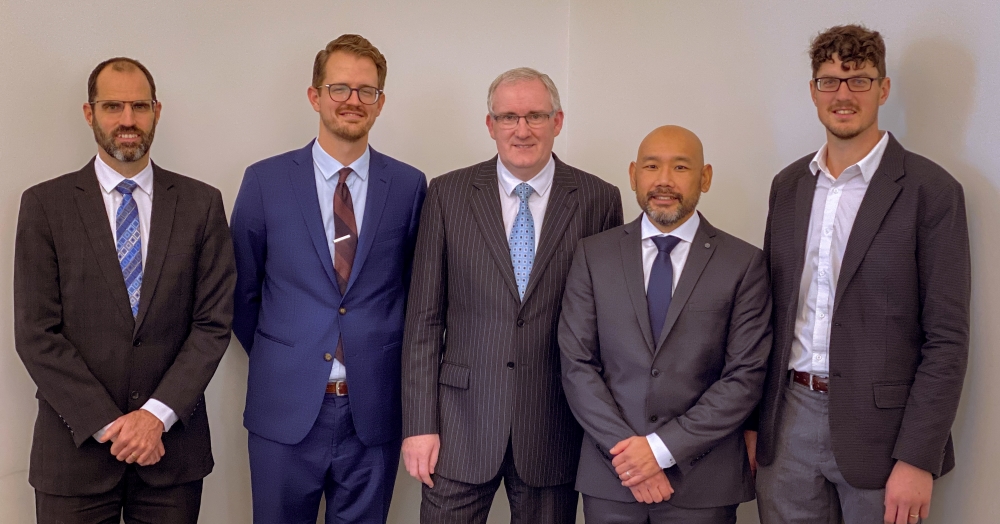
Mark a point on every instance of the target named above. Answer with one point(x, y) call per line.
point(907, 494)
point(634, 461)
point(751, 439)
point(137, 437)
point(420, 455)
point(655, 489)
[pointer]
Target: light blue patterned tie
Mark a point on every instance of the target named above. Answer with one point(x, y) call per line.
point(129, 243)
point(522, 239)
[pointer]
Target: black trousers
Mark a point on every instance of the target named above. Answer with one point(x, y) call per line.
point(132, 499)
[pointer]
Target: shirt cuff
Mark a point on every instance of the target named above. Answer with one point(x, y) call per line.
point(663, 456)
point(162, 412)
point(100, 433)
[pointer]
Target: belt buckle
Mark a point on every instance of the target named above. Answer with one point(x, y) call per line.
point(335, 388)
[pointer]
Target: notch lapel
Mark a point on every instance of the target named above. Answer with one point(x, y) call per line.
point(702, 248)
point(379, 183)
point(302, 179)
point(486, 210)
point(93, 214)
point(882, 192)
point(804, 192)
point(161, 223)
point(635, 281)
point(558, 213)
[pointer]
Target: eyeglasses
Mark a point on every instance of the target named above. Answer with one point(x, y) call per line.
point(857, 84)
point(510, 120)
point(139, 107)
point(342, 93)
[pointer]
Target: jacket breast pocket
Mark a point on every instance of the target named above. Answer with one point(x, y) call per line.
point(454, 375)
point(889, 396)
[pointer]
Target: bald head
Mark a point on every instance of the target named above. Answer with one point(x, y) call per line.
point(675, 140)
point(668, 176)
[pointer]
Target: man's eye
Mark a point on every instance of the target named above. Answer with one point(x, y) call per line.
point(113, 107)
point(141, 107)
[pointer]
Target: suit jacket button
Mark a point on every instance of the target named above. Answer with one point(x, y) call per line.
point(510, 365)
point(135, 395)
point(520, 322)
point(342, 310)
point(137, 343)
point(653, 418)
point(655, 372)
point(327, 357)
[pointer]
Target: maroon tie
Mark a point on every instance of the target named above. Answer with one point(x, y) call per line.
point(346, 239)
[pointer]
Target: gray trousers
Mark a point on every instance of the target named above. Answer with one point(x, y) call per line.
point(601, 511)
point(804, 484)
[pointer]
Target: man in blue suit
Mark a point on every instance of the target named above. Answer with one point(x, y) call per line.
point(324, 239)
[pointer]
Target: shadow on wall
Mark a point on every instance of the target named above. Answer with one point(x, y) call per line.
point(937, 83)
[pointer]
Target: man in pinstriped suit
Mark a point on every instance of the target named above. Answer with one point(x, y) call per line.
point(482, 394)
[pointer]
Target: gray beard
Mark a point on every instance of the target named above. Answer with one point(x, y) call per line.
point(123, 154)
point(668, 219)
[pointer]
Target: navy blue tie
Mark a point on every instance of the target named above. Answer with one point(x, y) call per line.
point(661, 284)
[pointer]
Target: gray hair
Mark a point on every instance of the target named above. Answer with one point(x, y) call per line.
point(521, 74)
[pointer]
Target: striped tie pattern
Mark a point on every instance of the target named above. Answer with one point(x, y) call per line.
point(522, 239)
point(129, 243)
point(346, 241)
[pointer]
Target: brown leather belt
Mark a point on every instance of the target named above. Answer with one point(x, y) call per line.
point(813, 382)
point(338, 388)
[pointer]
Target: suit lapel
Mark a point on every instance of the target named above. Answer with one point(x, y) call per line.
point(90, 203)
point(804, 193)
point(881, 193)
point(302, 179)
point(486, 210)
point(558, 213)
point(379, 183)
point(635, 281)
point(701, 252)
point(161, 223)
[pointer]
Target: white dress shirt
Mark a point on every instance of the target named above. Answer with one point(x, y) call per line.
point(327, 175)
point(678, 257)
point(835, 206)
point(109, 179)
point(537, 202)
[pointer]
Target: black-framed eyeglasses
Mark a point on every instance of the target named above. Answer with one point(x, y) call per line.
point(510, 120)
point(139, 107)
point(857, 84)
point(368, 95)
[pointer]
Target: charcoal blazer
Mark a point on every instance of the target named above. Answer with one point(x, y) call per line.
point(694, 387)
point(91, 360)
point(899, 338)
point(481, 366)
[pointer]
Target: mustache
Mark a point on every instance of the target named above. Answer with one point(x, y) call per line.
point(664, 192)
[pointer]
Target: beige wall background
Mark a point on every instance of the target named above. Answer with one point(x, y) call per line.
point(233, 75)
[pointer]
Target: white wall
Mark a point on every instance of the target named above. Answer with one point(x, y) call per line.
point(232, 77)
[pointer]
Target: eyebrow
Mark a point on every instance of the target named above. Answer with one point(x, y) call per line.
point(681, 158)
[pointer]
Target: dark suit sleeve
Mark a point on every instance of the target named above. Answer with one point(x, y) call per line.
point(944, 271)
point(55, 364)
point(427, 307)
point(725, 405)
point(753, 422)
point(582, 370)
point(211, 318)
point(250, 246)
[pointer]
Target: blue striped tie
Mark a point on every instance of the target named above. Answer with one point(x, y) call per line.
point(129, 243)
point(522, 239)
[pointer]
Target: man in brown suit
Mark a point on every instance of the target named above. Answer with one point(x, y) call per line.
point(868, 251)
point(123, 289)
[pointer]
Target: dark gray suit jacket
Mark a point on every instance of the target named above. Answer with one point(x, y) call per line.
point(92, 362)
point(900, 336)
point(694, 387)
point(481, 367)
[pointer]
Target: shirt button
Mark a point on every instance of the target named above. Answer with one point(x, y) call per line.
point(342, 310)
point(822, 272)
point(327, 357)
point(828, 230)
point(836, 191)
point(821, 315)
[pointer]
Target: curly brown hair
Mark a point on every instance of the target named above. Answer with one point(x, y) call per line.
point(853, 44)
point(356, 45)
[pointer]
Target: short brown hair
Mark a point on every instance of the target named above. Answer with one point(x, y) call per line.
point(356, 45)
point(853, 44)
point(121, 64)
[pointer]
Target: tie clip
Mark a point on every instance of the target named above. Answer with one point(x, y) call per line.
point(345, 237)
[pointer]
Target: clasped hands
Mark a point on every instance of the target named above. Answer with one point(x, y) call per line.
point(637, 468)
point(136, 438)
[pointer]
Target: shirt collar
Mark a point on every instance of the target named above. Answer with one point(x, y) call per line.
point(540, 182)
point(329, 166)
point(867, 165)
point(109, 178)
point(685, 231)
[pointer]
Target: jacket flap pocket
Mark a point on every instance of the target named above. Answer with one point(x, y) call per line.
point(891, 395)
point(454, 375)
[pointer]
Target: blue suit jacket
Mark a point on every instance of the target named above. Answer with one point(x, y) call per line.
point(289, 312)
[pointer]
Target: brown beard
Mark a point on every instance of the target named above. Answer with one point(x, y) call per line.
point(124, 153)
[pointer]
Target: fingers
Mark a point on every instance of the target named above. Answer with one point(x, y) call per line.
point(619, 447)
point(433, 460)
point(637, 494)
point(890, 512)
point(152, 456)
point(420, 454)
point(113, 430)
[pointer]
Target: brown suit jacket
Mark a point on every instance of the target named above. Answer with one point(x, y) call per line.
point(92, 362)
point(481, 367)
point(900, 336)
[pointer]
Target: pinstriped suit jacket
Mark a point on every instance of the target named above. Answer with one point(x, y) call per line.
point(480, 366)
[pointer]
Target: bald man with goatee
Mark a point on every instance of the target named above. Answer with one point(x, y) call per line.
point(663, 387)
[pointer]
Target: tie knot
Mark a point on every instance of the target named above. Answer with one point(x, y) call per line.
point(666, 244)
point(524, 190)
point(343, 175)
point(126, 186)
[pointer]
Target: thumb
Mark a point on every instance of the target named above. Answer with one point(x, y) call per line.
point(619, 447)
